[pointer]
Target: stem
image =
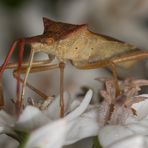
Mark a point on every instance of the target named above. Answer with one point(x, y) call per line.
point(62, 65)
point(23, 138)
point(96, 143)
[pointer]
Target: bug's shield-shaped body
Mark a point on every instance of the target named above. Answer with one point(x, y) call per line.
point(77, 43)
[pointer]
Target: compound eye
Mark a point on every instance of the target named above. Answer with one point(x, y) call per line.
point(47, 41)
point(50, 40)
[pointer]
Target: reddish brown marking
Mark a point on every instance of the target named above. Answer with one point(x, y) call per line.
point(60, 28)
point(55, 31)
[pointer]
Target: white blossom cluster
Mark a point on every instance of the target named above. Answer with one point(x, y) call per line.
point(117, 121)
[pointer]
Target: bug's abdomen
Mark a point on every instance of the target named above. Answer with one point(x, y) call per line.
point(105, 50)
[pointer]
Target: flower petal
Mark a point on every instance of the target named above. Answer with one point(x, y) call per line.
point(6, 119)
point(6, 122)
point(138, 128)
point(8, 142)
point(137, 141)
point(53, 110)
point(31, 118)
point(74, 104)
point(50, 136)
point(84, 126)
point(112, 133)
point(141, 108)
point(83, 106)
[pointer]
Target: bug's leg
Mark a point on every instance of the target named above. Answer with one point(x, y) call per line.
point(99, 64)
point(1, 96)
point(3, 67)
point(61, 66)
point(43, 63)
point(37, 66)
point(25, 79)
point(33, 70)
point(117, 87)
point(40, 93)
point(20, 60)
point(136, 55)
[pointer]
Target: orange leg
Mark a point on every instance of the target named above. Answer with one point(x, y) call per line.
point(1, 96)
point(4, 65)
point(26, 76)
point(61, 66)
point(20, 59)
point(40, 93)
point(35, 67)
point(102, 64)
point(135, 55)
point(115, 76)
point(42, 65)
point(43, 68)
point(33, 70)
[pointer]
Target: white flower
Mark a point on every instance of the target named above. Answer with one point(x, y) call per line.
point(116, 118)
point(126, 119)
point(44, 132)
point(84, 126)
point(134, 124)
point(113, 120)
point(137, 141)
point(49, 136)
point(125, 116)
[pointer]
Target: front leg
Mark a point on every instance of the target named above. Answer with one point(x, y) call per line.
point(34, 69)
point(62, 66)
point(1, 96)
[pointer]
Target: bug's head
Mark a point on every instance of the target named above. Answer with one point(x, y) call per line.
point(42, 43)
